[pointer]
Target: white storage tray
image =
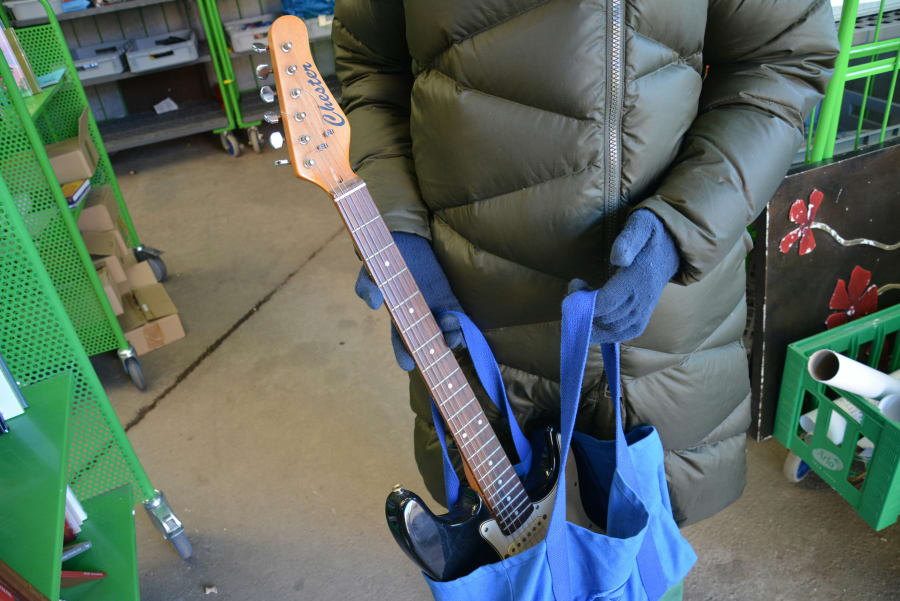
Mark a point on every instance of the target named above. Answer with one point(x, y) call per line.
point(241, 34)
point(319, 29)
point(148, 54)
point(31, 9)
point(100, 60)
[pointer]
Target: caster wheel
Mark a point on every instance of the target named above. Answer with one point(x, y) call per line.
point(255, 140)
point(795, 469)
point(182, 545)
point(133, 367)
point(230, 143)
point(159, 268)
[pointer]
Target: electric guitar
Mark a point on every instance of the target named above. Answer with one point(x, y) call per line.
point(499, 515)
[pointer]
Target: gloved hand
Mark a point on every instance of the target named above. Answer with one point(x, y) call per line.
point(427, 272)
point(646, 259)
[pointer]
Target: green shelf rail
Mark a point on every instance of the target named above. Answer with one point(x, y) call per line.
point(861, 61)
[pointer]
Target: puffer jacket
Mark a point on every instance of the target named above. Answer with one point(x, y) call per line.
point(517, 135)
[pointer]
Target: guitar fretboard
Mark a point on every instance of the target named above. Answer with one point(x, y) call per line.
point(499, 485)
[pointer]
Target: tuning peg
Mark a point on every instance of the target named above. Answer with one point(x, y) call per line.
point(281, 162)
point(259, 48)
point(263, 70)
point(267, 94)
point(276, 139)
point(271, 117)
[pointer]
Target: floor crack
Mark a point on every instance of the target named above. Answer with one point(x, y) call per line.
point(143, 411)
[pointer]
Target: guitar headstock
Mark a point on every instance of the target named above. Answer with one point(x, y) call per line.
point(316, 131)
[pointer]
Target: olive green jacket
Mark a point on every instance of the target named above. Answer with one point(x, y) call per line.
point(517, 135)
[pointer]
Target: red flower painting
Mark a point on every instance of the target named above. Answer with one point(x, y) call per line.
point(854, 301)
point(803, 216)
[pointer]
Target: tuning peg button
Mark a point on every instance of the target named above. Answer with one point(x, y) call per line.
point(281, 162)
point(259, 48)
point(263, 70)
point(276, 139)
point(271, 117)
point(267, 94)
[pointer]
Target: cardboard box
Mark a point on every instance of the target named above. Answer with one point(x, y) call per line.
point(114, 267)
point(150, 318)
point(106, 244)
point(75, 158)
point(140, 275)
point(95, 219)
point(155, 334)
point(112, 292)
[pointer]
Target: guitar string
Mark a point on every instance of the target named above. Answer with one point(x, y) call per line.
point(339, 188)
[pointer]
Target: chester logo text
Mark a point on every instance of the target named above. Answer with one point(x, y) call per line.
point(329, 115)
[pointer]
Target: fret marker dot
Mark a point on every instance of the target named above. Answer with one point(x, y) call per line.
point(509, 498)
point(490, 463)
point(480, 422)
point(465, 434)
point(411, 310)
point(500, 481)
point(450, 385)
point(387, 263)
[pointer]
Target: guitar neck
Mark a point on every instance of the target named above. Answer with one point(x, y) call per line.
point(484, 458)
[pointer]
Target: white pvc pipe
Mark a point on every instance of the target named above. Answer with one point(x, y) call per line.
point(845, 373)
point(842, 372)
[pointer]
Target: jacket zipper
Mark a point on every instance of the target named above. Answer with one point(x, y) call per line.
point(614, 83)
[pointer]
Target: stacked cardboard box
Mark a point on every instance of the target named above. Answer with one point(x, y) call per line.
point(147, 314)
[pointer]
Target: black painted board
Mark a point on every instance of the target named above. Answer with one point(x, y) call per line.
point(805, 278)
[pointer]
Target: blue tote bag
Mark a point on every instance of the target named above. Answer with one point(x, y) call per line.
point(640, 555)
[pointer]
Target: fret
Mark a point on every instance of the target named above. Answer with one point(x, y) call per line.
point(498, 479)
point(460, 389)
point(393, 277)
point(467, 423)
point(488, 458)
point(486, 426)
point(445, 379)
point(472, 400)
point(424, 344)
point(401, 303)
point(378, 252)
point(414, 324)
point(438, 360)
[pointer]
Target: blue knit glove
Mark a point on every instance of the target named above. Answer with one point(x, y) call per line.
point(427, 272)
point(647, 259)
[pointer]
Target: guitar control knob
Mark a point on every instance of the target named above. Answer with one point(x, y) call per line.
point(263, 70)
point(397, 488)
point(267, 94)
point(276, 139)
point(271, 117)
point(259, 48)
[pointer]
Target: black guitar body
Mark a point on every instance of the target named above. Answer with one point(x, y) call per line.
point(450, 546)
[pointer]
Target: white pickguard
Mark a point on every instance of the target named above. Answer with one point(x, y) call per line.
point(534, 531)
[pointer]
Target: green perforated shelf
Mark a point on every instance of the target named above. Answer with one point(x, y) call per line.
point(110, 528)
point(38, 102)
point(33, 472)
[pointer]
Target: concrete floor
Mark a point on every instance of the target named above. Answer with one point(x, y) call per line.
point(279, 424)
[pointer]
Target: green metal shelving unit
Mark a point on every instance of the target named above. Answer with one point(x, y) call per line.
point(69, 434)
point(860, 61)
point(27, 125)
point(245, 106)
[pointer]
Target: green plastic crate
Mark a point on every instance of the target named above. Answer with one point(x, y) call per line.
point(875, 341)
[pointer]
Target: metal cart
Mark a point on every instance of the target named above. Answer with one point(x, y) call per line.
point(870, 46)
point(69, 424)
point(27, 124)
point(239, 74)
point(122, 128)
